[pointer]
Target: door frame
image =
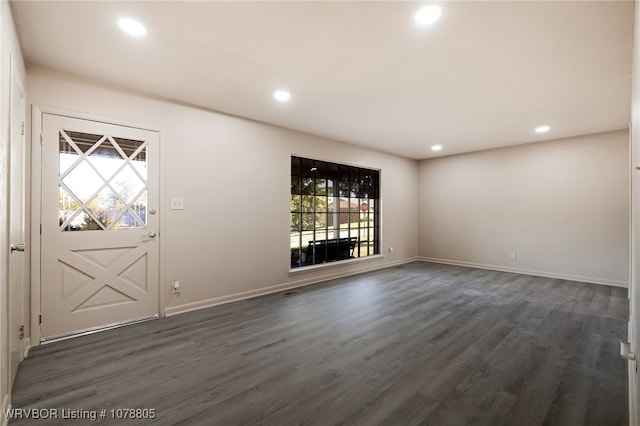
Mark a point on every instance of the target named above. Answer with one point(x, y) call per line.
point(15, 79)
point(37, 112)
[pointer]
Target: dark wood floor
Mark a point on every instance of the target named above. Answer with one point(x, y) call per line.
point(421, 344)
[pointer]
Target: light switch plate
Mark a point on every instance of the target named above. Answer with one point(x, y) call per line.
point(177, 203)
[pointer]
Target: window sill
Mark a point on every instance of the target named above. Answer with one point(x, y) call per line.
point(335, 264)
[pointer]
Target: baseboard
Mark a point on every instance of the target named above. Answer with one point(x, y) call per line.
point(333, 274)
point(26, 345)
point(538, 273)
point(6, 402)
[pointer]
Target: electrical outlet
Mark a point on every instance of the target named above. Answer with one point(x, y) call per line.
point(175, 286)
point(514, 255)
point(177, 203)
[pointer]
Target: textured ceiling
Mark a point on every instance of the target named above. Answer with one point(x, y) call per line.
point(485, 75)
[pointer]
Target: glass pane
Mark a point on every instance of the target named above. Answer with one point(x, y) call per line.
point(307, 203)
point(129, 147)
point(331, 203)
point(344, 212)
point(330, 187)
point(320, 204)
point(295, 240)
point(83, 141)
point(321, 186)
point(306, 237)
point(296, 205)
point(297, 257)
point(82, 222)
point(354, 182)
point(321, 169)
point(127, 221)
point(139, 162)
point(105, 150)
point(64, 146)
point(331, 218)
point(306, 167)
point(295, 185)
point(364, 184)
point(66, 161)
point(139, 207)
point(127, 184)
point(69, 154)
point(295, 166)
point(305, 255)
point(306, 186)
point(106, 159)
point(106, 207)
point(346, 248)
point(345, 187)
point(308, 221)
point(83, 181)
point(332, 172)
point(374, 185)
point(296, 222)
point(67, 205)
point(345, 204)
point(141, 168)
point(321, 220)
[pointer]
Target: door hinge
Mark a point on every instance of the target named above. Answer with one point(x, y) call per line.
point(22, 129)
point(40, 229)
point(41, 138)
point(40, 319)
point(21, 332)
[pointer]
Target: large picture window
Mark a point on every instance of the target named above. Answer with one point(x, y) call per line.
point(335, 212)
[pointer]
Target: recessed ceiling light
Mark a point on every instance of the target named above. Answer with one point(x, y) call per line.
point(542, 129)
point(282, 95)
point(132, 27)
point(428, 15)
point(436, 148)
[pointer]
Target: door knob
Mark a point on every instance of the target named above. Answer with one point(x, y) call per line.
point(18, 247)
point(152, 234)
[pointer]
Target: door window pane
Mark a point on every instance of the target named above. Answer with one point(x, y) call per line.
point(102, 182)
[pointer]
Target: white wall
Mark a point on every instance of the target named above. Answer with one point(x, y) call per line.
point(562, 205)
point(232, 239)
point(9, 47)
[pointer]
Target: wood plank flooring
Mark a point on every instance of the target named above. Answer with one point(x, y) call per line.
point(420, 344)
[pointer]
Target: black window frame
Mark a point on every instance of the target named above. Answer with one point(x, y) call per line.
point(335, 212)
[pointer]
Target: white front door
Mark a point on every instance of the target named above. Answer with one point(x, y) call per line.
point(100, 190)
point(17, 226)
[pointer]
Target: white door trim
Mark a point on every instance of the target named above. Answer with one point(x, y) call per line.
point(634, 264)
point(17, 80)
point(35, 213)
